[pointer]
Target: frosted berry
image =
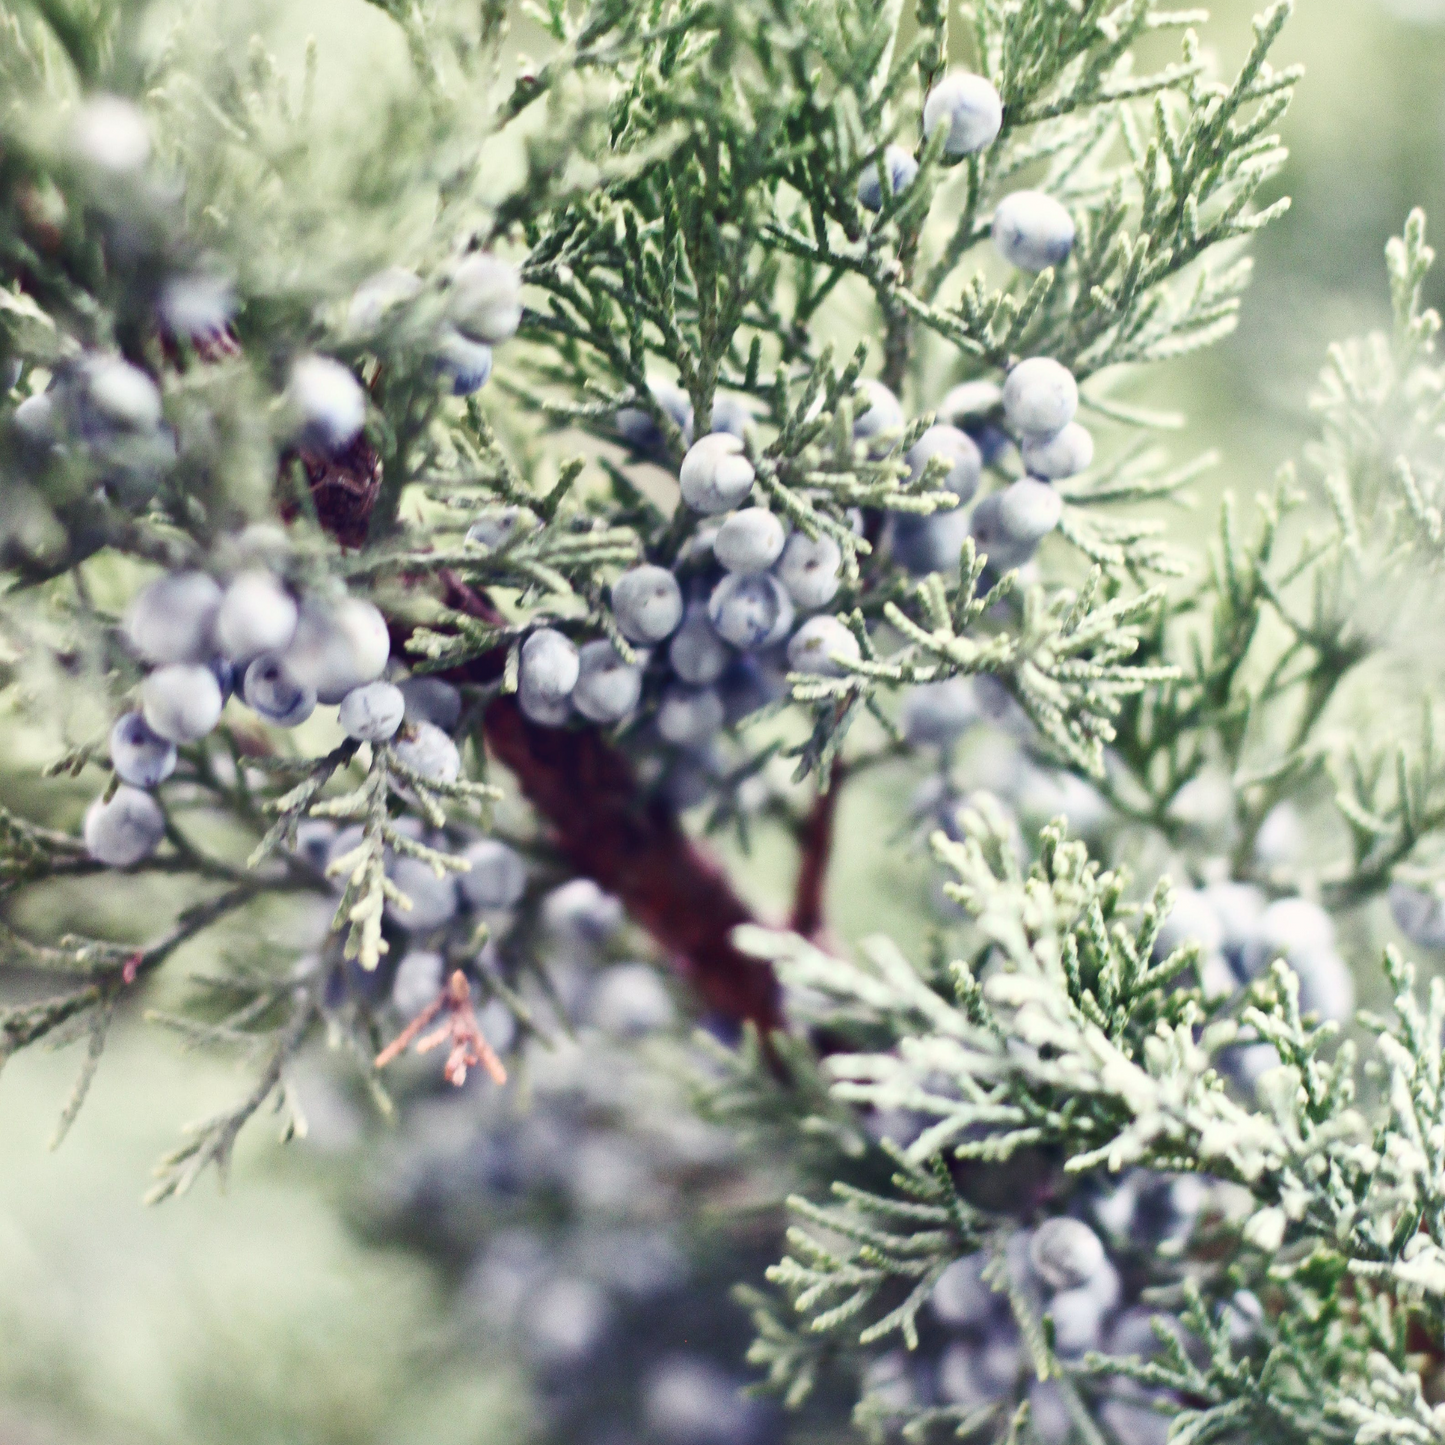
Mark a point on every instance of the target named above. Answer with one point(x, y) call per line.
point(811, 569)
point(338, 645)
point(1191, 919)
point(497, 526)
point(428, 751)
point(881, 412)
point(750, 541)
point(111, 135)
point(1066, 1253)
point(273, 691)
point(582, 912)
point(931, 543)
point(138, 755)
point(641, 432)
point(967, 108)
point(466, 364)
point(256, 615)
point(1418, 914)
point(1062, 455)
point(820, 645)
point(314, 837)
point(750, 610)
point(608, 688)
point(969, 402)
point(961, 1296)
point(379, 294)
point(173, 619)
point(986, 528)
point(1028, 511)
point(689, 716)
point(1040, 397)
point(697, 654)
point(965, 464)
point(196, 307)
point(938, 713)
point(544, 711)
point(34, 419)
point(647, 603)
point(900, 168)
point(418, 981)
point(550, 666)
point(429, 699)
point(628, 1000)
point(124, 830)
point(121, 395)
point(1032, 231)
point(497, 877)
point(485, 302)
point(715, 476)
point(730, 414)
point(182, 702)
point(372, 712)
point(327, 401)
point(433, 900)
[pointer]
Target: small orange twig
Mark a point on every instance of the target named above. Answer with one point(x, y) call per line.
point(469, 1048)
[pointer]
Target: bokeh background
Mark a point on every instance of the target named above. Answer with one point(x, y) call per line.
point(282, 1310)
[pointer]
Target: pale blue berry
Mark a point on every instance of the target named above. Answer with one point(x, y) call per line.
point(372, 712)
point(730, 414)
point(750, 541)
point(419, 979)
point(986, 526)
point(182, 702)
point(549, 667)
point(429, 752)
point(821, 646)
point(466, 364)
point(1040, 397)
point(121, 832)
point(647, 603)
point(931, 543)
point(497, 526)
point(339, 643)
point(110, 135)
point(811, 570)
point(608, 688)
point(485, 300)
point(715, 476)
point(880, 413)
point(1191, 919)
point(629, 1000)
point(1062, 455)
point(1032, 231)
point(689, 716)
point(750, 610)
point(544, 711)
point(1418, 914)
point(961, 1296)
point(270, 689)
point(1028, 511)
point(935, 714)
point(256, 615)
point(378, 295)
point(959, 451)
point(35, 420)
point(327, 402)
point(121, 395)
point(314, 840)
point(967, 108)
point(173, 619)
point(970, 402)
point(497, 877)
point(197, 307)
point(433, 900)
point(1065, 1253)
point(640, 431)
point(581, 912)
point(901, 170)
point(430, 699)
point(138, 755)
point(697, 654)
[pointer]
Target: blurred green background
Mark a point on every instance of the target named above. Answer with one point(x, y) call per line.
point(261, 1314)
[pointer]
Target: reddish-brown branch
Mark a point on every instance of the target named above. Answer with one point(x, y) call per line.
point(817, 852)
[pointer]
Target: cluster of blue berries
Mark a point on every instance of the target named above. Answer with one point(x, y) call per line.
point(280, 654)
